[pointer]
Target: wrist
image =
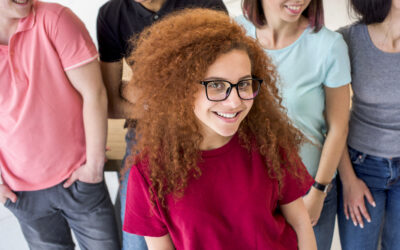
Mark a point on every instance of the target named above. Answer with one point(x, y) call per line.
point(322, 187)
point(96, 164)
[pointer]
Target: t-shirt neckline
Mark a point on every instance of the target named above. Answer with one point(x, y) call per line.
point(221, 150)
point(373, 46)
point(306, 30)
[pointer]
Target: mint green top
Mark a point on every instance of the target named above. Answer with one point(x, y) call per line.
point(313, 61)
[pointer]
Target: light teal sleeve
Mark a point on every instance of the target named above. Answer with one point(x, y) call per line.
point(337, 65)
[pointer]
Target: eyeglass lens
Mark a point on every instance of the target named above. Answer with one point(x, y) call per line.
point(219, 90)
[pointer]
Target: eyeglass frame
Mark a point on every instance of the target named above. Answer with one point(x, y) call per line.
point(229, 90)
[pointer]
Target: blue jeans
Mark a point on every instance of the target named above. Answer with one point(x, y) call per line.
point(382, 176)
point(326, 224)
point(129, 241)
point(46, 217)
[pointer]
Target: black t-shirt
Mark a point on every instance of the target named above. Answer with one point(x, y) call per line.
point(119, 20)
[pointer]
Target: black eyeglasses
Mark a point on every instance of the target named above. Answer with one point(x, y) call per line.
point(219, 90)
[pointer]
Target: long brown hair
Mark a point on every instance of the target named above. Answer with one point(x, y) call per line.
point(171, 57)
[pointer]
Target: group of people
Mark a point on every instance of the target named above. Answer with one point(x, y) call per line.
point(236, 127)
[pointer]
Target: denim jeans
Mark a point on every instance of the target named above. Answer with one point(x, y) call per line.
point(326, 224)
point(382, 176)
point(129, 241)
point(47, 216)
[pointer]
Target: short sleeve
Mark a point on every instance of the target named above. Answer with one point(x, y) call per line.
point(294, 187)
point(141, 216)
point(337, 64)
point(110, 48)
point(72, 41)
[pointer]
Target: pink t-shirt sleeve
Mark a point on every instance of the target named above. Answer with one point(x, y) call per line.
point(72, 40)
point(141, 216)
point(294, 187)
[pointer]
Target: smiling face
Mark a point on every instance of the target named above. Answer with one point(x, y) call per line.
point(15, 9)
point(219, 121)
point(286, 10)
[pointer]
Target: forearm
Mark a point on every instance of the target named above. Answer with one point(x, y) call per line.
point(346, 171)
point(118, 107)
point(331, 154)
point(95, 124)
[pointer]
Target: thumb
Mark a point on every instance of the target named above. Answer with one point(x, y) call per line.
point(69, 181)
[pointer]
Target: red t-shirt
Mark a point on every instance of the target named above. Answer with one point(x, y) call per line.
point(233, 205)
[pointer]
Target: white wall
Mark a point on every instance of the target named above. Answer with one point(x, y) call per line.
point(336, 14)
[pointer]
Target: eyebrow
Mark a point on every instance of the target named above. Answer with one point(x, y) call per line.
point(224, 79)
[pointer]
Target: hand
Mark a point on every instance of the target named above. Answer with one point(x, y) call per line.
point(86, 173)
point(353, 201)
point(314, 202)
point(6, 193)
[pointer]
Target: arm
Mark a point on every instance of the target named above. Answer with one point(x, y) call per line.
point(118, 107)
point(87, 81)
point(354, 190)
point(337, 116)
point(159, 243)
point(295, 214)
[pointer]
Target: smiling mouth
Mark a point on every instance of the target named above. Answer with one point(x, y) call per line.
point(20, 1)
point(227, 115)
point(293, 8)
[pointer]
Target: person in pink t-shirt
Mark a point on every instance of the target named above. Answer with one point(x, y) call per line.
point(53, 111)
point(218, 165)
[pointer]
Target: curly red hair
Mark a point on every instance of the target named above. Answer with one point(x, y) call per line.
point(171, 57)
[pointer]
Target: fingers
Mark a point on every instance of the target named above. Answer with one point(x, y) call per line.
point(346, 209)
point(369, 197)
point(70, 181)
point(364, 212)
point(353, 216)
point(6, 193)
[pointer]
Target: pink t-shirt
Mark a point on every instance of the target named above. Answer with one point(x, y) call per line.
point(233, 205)
point(42, 137)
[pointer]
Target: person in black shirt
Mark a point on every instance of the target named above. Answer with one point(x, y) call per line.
point(117, 22)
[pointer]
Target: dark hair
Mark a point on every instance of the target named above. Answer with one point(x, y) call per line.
point(253, 11)
point(371, 11)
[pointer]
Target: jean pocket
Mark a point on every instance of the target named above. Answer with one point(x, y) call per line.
point(354, 155)
point(7, 203)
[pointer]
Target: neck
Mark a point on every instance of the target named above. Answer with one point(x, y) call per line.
point(154, 5)
point(279, 34)
point(214, 142)
point(386, 35)
point(8, 26)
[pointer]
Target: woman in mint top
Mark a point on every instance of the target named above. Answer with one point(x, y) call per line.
point(314, 73)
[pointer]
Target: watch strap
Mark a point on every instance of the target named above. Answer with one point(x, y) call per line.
point(321, 187)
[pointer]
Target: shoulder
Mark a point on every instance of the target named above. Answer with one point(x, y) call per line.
point(48, 11)
point(111, 9)
point(350, 31)
point(324, 41)
point(326, 36)
point(211, 4)
point(246, 24)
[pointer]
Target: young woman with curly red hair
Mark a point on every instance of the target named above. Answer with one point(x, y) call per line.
point(218, 167)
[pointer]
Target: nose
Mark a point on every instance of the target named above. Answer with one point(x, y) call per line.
point(233, 99)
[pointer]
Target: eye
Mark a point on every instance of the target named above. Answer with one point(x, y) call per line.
point(245, 84)
point(216, 85)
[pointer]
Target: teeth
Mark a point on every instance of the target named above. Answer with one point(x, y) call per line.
point(226, 115)
point(20, 1)
point(295, 8)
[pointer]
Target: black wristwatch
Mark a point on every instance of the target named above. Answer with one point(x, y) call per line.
point(323, 188)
